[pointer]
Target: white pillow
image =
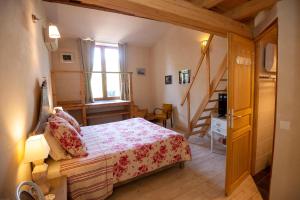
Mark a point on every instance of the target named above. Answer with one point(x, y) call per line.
point(56, 151)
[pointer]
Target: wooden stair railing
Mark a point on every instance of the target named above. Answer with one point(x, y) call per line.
point(207, 99)
point(205, 50)
point(214, 85)
point(186, 96)
point(205, 129)
point(205, 120)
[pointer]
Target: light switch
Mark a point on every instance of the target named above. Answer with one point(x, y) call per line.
point(285, 125)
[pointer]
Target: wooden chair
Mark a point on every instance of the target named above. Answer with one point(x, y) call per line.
point(163, 114)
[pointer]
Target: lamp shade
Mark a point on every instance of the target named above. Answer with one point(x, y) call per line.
point(203, 44)
point(36, 148)
point(53, 31)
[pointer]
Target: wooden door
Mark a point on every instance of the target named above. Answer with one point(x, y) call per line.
point(240, 110)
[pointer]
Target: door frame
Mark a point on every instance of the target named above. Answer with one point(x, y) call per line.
point(273, 25)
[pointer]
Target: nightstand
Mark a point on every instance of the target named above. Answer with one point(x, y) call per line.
point(58, 186)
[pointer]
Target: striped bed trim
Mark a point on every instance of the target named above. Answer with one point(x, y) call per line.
point(89, 177)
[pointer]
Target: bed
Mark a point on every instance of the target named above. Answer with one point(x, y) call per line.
point(119, 152)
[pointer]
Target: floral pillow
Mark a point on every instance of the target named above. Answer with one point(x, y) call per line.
point(69, 118)
point(67, 136)
point(56, 151)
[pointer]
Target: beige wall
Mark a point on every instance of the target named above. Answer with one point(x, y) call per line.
point(285, 183)
point(67, 85)
point(180, 49)
point(265, 106)
point(23, 62)
point(139, 57)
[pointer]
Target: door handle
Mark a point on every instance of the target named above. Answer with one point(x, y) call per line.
point(232, 116)
point(238, 116)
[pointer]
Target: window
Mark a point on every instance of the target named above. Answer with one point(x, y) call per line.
point(106, 86)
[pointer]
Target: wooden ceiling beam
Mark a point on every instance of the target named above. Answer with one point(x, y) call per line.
point(249, 9)
point(176, 12)
point(206, 3)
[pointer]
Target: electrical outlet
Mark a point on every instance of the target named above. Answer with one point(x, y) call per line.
point(285, 125)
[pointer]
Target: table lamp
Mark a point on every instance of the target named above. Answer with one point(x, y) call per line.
point(36, 150)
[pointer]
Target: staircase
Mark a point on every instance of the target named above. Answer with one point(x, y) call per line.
point(200, 125)
point(200, 122)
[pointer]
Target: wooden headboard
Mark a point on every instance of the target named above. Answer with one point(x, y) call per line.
point(45, 109)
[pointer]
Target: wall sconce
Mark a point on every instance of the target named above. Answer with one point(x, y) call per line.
point(34, 18)
point(53, 31)
point(203, 44)
point(51, 34)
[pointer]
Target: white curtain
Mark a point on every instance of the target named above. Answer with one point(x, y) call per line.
point(123, 68)
point(87, 55)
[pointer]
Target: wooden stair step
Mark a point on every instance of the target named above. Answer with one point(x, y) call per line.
point(205, 117)
point(220, 90)
point(201, 132)
point(201, 125)
point(213, 100)
point(209, 109)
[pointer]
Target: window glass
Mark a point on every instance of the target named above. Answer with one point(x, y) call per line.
point(112, 65)
point(96, 80)
point(97, 59)
point(106, 59)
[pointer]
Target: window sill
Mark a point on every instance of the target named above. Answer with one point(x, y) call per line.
point(105, 103)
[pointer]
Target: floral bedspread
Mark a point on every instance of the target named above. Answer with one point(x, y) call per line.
point(120, 151)
point(137, 146)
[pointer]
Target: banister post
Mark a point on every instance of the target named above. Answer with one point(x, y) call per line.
point(208, 68)
point(189, 114)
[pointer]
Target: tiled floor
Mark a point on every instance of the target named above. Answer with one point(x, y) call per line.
point(201, 179)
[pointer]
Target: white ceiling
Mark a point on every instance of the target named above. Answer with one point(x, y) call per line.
point(104, 26)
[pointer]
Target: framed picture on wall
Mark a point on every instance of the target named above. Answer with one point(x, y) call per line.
point(168, 79)
point(184, 76)
point(66, 57)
